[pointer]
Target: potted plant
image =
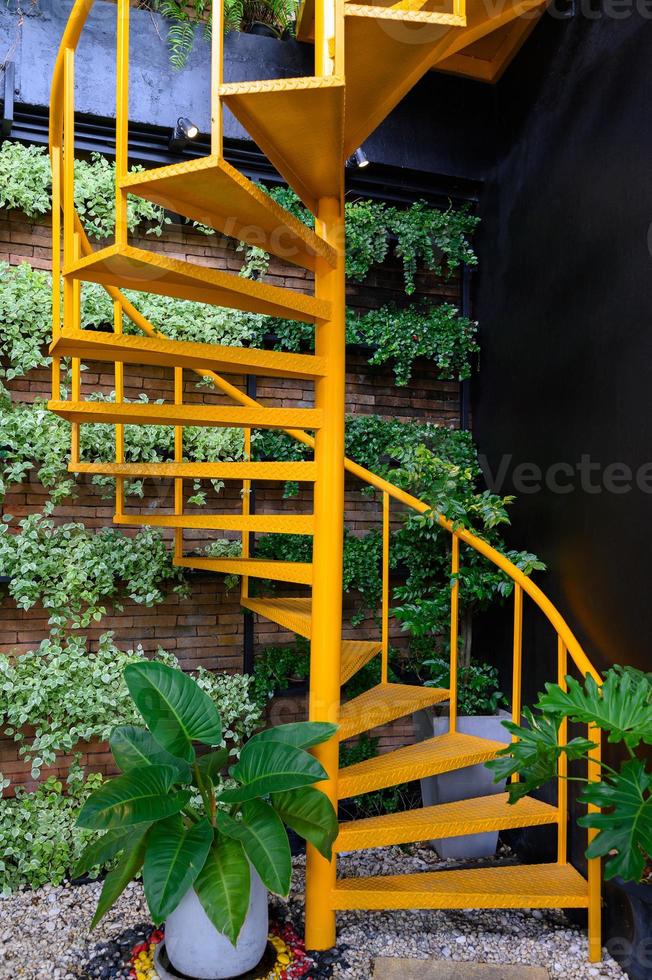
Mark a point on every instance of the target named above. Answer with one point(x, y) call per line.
point(622, 707)
point(478, 701)
point(209, 846)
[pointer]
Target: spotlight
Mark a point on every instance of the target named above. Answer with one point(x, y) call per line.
point(183, 132)
point(358, 159)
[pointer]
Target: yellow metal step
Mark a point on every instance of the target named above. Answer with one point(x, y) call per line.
point(387, 51)
point(355, 654)
point(254, 523)
point(294, 614)
point(385, 703)
point(516, 886)
point(281, 571)
point(298, 123)
point(434, 755)
point(127, 267)
point(473, 816)
point(103, 346)
point(214, 193)
point(149, 413)
point(273, 471)
point(418, 14)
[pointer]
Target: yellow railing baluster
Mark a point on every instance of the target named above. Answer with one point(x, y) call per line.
point(75, 315)
point(455, 599)
point(595, 864)
point(385, 612)
point(55, 160)
point(562, 765)
point(178, 458)
point(121, 120)
point(119, 429)
point(217, 76)
point(246, 510)
point(517, 668)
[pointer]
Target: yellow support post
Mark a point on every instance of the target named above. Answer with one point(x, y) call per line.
point(217, 76)
point(55, 158)
point(246, 511)
point(121, 120)
point(455, 604)
point(517, 669)
point(325, 654)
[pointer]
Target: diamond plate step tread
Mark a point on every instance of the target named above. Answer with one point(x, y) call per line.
point(474, 816)
point(514, 886)
point(245, 470)
point(385, 703)
point(403, 16)
point(127, 267)
point(355, 654)
point(298, 123)
point(214, 193)
point(103, 346)
point(294, 614)
point(434, 755)
point(280, 571)
point(149, 413)
point(253, 523)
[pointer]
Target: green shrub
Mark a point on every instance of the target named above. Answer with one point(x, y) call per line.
point(276, 666)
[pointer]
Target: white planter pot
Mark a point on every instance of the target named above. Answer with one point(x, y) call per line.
point(196, 948)
point(462, 784)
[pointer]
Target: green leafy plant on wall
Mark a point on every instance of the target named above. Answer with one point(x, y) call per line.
point(66, 692)
point(39, 842)
point(277, 666)
point(72, 571)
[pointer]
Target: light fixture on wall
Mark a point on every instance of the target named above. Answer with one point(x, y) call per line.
point(358, 159)
point(184, 131)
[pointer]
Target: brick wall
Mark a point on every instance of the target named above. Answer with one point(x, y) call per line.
point(207, 627)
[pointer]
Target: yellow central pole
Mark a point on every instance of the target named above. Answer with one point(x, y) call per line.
point(327, 560)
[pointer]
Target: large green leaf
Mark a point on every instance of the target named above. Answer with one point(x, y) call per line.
point(174, 708)
point(311, 815)
point(265, 841)
point(99, 851)
point(141, 795)
point(223, 886)
point(174, 858)
point(300, 734)
point(271, 767)
point(627, 827)
point(212, 764)
point(133, 746)
point(535, 754)
point(125, 870)
point(622, 707)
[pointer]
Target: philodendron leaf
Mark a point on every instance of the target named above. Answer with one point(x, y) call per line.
point(99, 851)
point(627, 827)
point(211, 764)
point(174, 858)
point(622, 706)
point(271, 767)
point(133, 746)
point(141, 795)
point(174, 708)
point(534, 755)
point(311, 815)
point(223, 886)
point(264, 838)
point(300, 734)
point(125, 870)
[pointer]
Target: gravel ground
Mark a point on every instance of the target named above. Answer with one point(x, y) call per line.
point(44, 933)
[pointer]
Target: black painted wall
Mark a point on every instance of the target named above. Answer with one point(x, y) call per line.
point(564, 300)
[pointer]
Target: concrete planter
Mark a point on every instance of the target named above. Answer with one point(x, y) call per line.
point(629, 926)
point(463, 784)
point(196, 949)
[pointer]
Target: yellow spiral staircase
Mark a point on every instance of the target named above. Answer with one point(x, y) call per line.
point(367, 56)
